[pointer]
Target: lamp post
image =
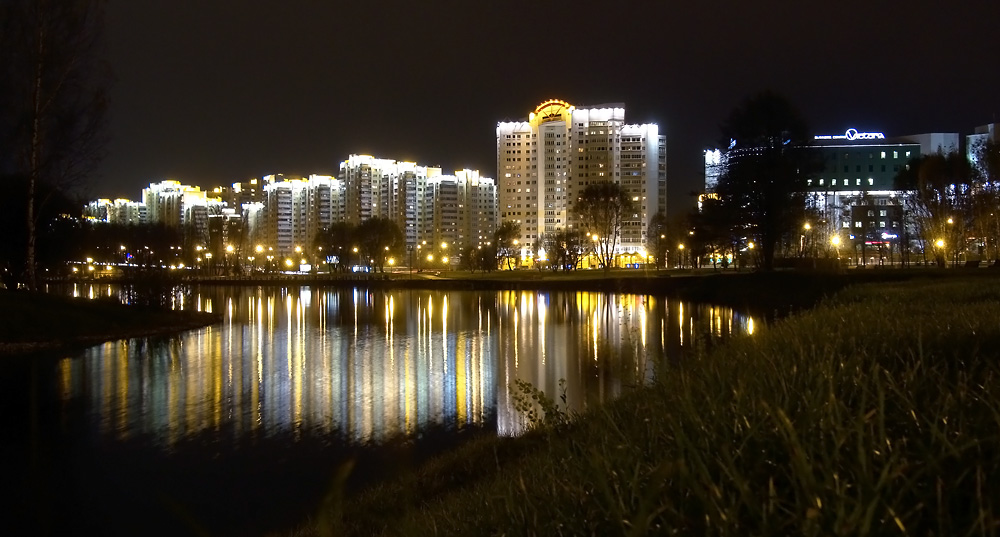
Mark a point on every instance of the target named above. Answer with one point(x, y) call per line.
point(802, 239)
point(597, 254)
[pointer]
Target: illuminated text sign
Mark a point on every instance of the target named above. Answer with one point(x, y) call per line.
point(851, 135)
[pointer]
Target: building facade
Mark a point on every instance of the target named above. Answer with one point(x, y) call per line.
point(429, 207)
point(854, 196)
point(545, 162)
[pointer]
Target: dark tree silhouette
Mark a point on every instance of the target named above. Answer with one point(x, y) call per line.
point(657, 238)
point(53, 99)
point(986, 198)
point(338, 241)
point(505, 238)
point(601, 208)
point(378, 240)
point(768, 162)
point(564, 248)
point(942, 193)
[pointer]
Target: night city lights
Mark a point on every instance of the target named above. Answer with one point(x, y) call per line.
point(518, 268)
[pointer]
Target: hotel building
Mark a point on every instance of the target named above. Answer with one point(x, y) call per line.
point(546, 161)
point(854, 194)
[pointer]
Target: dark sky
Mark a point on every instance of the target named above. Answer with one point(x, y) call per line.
point(211, 92)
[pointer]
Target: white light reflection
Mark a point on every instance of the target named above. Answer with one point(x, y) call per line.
point(386, 365)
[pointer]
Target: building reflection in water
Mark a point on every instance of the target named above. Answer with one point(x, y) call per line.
point(372, 364)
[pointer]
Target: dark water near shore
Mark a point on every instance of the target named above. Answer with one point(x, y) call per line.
point(242, 427)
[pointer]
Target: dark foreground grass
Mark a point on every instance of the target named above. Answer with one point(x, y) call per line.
point(877, 413)
point(38, 321)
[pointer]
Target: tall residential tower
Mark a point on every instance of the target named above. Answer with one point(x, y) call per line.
point(544, 163)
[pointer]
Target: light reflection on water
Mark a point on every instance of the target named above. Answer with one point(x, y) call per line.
point(372, 364)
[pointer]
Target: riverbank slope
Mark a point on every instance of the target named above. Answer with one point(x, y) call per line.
point(31, 322)
point(874, 413)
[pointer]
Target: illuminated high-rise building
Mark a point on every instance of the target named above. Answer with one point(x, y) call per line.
point(294, 211)
point(427, 205)
point(545, 162)
point(170, 203)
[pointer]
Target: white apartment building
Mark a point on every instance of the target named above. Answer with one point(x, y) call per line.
point(169, 202)
point(290, 211)
point(544, 163)
point(427, 205)
point(119, 211)
point(463, 209)
point(294, 211)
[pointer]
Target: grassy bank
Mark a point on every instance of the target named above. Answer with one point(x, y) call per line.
point(40, 321)
point(876, 413)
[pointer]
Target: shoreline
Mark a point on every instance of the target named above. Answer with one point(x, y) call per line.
point(759, 292)
point(36, 323)
point(762, 293)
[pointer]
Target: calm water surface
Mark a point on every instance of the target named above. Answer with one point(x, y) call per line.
point(292, 375)
point(376, 364)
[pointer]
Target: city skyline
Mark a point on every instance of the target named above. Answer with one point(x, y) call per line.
point(213, 94)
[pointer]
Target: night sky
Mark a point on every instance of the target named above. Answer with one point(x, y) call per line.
point(213, 92)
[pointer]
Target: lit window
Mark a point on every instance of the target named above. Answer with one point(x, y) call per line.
point(871, 181)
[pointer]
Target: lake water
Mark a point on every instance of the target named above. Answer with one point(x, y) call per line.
point(238, 427)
